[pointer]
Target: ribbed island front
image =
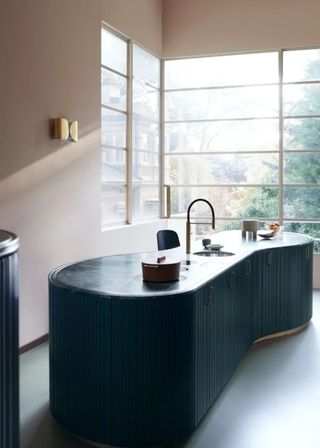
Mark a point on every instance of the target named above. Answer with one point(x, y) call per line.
point(137, 364)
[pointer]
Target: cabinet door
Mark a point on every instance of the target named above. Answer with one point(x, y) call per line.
point(209, 350)
point(270, 292)
point(242, 288)
point(237, 314)
point(285, 298)
point(307, 282)
point(223, 332)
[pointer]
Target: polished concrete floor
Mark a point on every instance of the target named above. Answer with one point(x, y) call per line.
point(272, 401)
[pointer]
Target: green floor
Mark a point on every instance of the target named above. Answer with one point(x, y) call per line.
point(272, 401)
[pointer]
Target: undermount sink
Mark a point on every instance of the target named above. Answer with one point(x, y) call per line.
point(214, 253)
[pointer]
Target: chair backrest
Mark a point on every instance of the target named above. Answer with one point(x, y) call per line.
point(167, 239)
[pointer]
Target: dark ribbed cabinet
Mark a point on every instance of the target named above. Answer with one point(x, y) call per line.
point(223, 332)
point(121, 370)
point(9, 370)
point(283, 299)
point(143, 371)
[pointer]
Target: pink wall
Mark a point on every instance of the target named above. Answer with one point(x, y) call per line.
point(50, 192)
point(227, 26)
point(50, 66)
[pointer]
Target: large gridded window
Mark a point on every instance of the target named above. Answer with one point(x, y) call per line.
point(130, 129)
point(243, 131)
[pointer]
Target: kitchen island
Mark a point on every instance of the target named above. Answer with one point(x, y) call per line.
point(139, 364)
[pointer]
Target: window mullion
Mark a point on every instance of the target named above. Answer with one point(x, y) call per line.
point(129, 134)
point(281, 159)
point(162, 143)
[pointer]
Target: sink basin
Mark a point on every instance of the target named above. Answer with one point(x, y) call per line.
point(214, 253)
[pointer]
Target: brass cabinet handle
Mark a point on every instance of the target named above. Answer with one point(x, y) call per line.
point(232, 280)
point(307, 253)
point(269, 258)
point(208, 300)
point(248, 268)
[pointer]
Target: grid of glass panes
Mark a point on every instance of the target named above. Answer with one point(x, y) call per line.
point(145, 134)
point(114, 81)
point(301, 142)
point(230, 138)
point(130, 128)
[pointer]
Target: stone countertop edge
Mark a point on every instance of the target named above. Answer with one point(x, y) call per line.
point(121, 275)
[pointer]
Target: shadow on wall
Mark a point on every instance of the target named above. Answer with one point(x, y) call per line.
point(64, 154)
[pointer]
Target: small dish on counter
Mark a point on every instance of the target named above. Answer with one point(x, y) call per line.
point(273, 229)
point(267, 234)
point(214, 246)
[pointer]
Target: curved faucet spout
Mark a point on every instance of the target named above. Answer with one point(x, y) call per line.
point(188, 223)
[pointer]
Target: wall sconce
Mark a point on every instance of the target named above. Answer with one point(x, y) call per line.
point(63, 130)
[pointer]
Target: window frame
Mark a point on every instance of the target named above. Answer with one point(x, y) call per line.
point(281, 117)
point(164, 188)
point(129, 185)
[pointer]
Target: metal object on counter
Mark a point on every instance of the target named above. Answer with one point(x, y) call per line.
point(188, 223)
point(249, 229)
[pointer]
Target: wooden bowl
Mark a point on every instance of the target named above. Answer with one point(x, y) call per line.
point(161, 271)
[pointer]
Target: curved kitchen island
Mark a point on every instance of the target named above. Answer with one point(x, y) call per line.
point(138, 364)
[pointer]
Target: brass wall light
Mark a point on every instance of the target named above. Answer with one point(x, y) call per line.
point(63, 130)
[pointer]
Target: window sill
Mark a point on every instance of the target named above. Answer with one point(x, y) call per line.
point(135, 224)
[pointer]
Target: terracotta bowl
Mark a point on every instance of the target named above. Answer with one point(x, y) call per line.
point(164, 271)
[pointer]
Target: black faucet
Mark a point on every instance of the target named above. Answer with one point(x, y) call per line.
point(188, 223)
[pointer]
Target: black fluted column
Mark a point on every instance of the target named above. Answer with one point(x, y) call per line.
point(9, 360)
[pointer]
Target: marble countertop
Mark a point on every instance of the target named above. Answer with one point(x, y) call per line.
point(121, 275)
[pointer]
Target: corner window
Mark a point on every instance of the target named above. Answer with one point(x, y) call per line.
point(243, 131)
point(130, 129)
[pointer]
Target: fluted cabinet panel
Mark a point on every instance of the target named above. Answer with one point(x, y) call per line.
point(120, 370)
point(285, 297)
point(143, 371)
point(223, 332)
point(9, 370)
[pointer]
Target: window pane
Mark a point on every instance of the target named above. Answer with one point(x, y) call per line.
point(302, 133)
point(146, 67)
point(301, 99)
point(302, 168)
point(248, 135)
point(113, 90)
point(113, 51)
point(145, 167)
point(145, 101)
point(237, 202)
point(301, 65)
point(222, 103)
point(222, 169)
point(145, 135)
point(222, 70)
point(113, 204)
point(145, 202)
point(113, 167)
point(302, 202)
point(113, 128)
point(309, 228)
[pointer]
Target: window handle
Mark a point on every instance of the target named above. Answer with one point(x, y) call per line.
point(168, 201)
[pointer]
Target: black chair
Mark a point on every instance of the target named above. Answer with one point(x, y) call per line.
point(167, 239)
